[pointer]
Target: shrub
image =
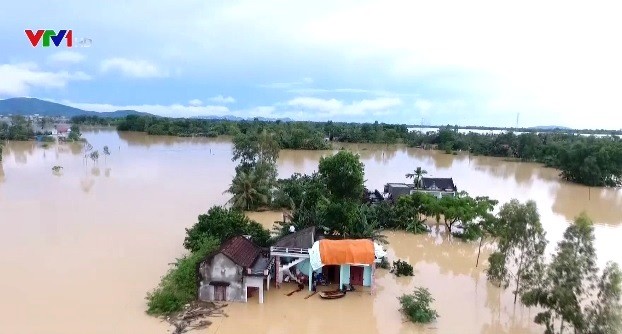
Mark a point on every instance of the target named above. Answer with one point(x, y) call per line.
point(416, 306)
point(384, 263)
point(179, 286)
point(402, 268)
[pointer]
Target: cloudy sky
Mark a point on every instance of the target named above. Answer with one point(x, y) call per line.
point(437, 62)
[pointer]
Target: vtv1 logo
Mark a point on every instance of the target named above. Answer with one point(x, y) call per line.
point(50, 35)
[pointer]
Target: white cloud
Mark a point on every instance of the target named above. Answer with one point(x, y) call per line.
point(135, 68)
point(195, 102)
point(423, 106)
point(20, 79)
point(173, 110)
point(222, 99)
point(528, 56)
point(66, 57)
point(286, 85)
point(332, 107)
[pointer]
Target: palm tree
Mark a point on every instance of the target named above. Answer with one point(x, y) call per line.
point(247, 191)
point(94, 156)
point(417, 176)
point(106, 153)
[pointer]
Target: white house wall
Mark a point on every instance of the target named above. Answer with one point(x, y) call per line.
point(222, 269)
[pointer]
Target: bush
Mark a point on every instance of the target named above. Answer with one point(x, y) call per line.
point(402, 268)
point(384, 263)
point(222, 224)
point(179, 286)
point(417, 306)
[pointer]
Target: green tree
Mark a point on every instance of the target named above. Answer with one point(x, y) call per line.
point(571, 281)
point(417, 306)
point(344, 175)
point(411, 211)
point(74, 134)
point(521, 243)
point(605, 313)
point(179, 286)
point(222, 224)
point(417, 176)
point(249, 191)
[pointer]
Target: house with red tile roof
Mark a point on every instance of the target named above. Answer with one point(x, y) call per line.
point(236, 270)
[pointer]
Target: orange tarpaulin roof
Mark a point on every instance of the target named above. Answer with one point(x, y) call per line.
point(348, 251)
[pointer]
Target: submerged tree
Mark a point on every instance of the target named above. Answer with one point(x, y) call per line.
point(248, 190)
point(417, 306)
point(344, 175)
point(256, 172)
point(57, 169)
point(106, 153)
point(571, 281)
point(521, 243)
point(94, 156)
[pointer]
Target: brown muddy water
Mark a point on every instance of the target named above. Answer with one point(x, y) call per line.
point(81, 249)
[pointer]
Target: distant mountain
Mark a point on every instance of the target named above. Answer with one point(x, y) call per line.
point(123, 113)
point(30, 106)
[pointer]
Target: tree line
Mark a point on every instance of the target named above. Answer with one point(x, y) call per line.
point(592, 161)
point(523, 129)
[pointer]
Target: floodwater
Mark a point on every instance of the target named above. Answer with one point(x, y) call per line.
point(81, 248)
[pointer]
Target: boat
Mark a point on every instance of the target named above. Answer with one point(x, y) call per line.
point(331, 294)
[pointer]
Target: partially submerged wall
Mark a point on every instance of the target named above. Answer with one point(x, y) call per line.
point(222, 269)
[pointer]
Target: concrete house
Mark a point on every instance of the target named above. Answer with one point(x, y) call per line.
point(435, 186)
point(231, 272)
point(303, 254)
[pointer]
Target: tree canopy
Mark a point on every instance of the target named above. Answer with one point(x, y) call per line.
point(221, 224)
point(570, 293)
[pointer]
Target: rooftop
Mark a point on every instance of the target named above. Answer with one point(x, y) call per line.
point(300, 239)
point(241, 251)
point(438, 183)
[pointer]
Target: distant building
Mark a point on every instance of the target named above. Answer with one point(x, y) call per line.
point(62, 129)
point(434, 186)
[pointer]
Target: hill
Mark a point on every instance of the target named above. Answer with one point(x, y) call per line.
point(30, 106)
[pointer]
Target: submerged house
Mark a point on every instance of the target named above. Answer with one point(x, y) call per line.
point(435, 186)
point(303, 254)
point(235, 268)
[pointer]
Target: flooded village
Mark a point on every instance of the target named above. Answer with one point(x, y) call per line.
point(117, 231)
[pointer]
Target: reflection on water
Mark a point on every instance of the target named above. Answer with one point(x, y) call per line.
point(103, 239)
point(603, 205)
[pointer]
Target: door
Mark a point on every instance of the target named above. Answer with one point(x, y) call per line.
point(356, 275)
point(220, 293)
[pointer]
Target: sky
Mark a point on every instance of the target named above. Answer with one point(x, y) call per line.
point(409, 62)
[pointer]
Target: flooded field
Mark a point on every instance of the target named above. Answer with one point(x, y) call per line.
point(80, 249)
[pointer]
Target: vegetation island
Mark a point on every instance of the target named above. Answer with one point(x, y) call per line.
point(570, 292)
